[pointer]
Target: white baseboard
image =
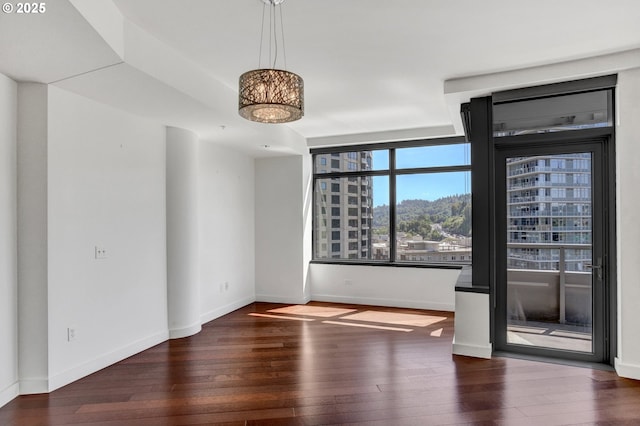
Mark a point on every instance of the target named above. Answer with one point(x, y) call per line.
point(270, 298)
point(630, 371)
point(224, 310)
point(64, 378)
point(394, 303)
point(178, 333)
point(9, 393)
point(34, 386)
point(475, 351)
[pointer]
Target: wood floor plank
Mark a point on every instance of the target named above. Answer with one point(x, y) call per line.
point(270, 369)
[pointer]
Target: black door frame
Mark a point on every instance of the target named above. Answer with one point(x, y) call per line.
point(600, 143)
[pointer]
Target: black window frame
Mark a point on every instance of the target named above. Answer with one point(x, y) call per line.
point(391, 171)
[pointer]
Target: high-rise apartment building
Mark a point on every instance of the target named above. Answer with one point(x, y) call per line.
point(549, 211)
point(344, 226)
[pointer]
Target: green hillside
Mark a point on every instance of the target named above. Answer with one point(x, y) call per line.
point(453, 214)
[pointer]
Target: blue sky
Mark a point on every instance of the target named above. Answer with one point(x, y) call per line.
point(430, 186)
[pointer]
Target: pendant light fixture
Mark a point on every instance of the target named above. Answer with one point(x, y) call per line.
point(270, 95)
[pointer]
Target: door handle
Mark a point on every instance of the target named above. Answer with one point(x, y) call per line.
point(598, 269)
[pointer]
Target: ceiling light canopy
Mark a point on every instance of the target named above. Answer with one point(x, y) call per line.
point(270, 95)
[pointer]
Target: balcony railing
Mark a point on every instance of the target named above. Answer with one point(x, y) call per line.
point(537, 294)
point(546, 213)
point(548, 228)
point(545, 184)
point(544, 198)
point(542, 169)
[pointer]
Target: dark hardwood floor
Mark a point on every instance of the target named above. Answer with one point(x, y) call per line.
point(320, 364)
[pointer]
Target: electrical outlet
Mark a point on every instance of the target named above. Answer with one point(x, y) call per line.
point(348, 282)
point(100, 252)
point(71, 334)
point(226, 285)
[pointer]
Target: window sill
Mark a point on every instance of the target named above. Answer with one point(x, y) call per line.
point(389, 264)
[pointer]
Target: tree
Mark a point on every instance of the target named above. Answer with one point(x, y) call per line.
point(420, 226)
point(461, 223)
point(434, 235)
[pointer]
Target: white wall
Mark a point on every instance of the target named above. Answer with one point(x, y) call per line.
point(8, 241)
point(423, 288)
point(472, 325)
point(281, 229)
point(628, 205)
point(32, 238)
point(183, 285)
point(106, 188)
point(227, 236)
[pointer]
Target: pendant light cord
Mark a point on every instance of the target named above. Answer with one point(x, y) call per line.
point(261, 36)
point(274, 24)
point(273, 36)
point(284, 48)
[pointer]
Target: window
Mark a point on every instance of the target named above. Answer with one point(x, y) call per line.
point(409, 202)
point(587, 110)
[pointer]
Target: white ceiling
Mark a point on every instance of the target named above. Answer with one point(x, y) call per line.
point(369, 66)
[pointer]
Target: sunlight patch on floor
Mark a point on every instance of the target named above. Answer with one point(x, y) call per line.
point(527, 330)
point(354, 318)
point(377, 327)
point(412, 320)
point(313, 311)
point(254, 314)
point(553, 339)
point(517, 339)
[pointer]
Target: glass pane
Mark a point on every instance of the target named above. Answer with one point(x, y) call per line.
point(351, 161)
point(570, 112)
point(434, 156)
point(549, 252)
point(433, 217)
point(352, 218)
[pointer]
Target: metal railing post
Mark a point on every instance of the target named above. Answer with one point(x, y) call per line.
point(561, 286)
